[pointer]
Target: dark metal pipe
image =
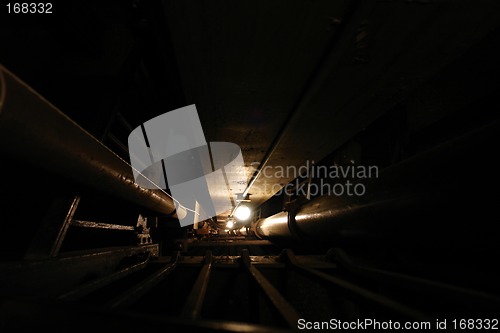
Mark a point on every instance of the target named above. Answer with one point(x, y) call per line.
point(400, 201)
point(35, 131)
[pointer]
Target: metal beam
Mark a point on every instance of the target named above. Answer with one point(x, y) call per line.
point(130, 296)
point(51, 278)
point(193, 306)
point(466, 297)
point(94, 285)
point(286, 310)
point(360, 293)
point(100, 225)
point(29, 315)
point(52, 232)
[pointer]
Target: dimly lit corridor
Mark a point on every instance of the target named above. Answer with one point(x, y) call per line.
point(348, 149)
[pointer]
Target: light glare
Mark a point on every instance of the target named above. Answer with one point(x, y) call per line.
point(242, 213)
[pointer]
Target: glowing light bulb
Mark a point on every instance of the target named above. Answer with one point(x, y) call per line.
point(242, 213)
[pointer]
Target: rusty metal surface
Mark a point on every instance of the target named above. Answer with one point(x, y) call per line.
point(100, 225)
point(34, 130)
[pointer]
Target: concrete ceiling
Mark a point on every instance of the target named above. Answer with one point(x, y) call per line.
point(293, 80)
